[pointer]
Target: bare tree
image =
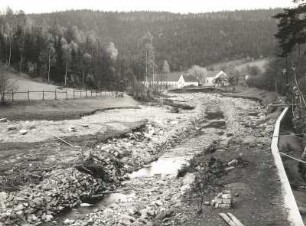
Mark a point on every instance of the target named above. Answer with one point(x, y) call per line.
point(67, 49)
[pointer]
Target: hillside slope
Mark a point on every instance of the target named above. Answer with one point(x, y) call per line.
point(183, 40)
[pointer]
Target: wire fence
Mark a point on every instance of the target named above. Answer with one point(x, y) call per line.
point(58, 94)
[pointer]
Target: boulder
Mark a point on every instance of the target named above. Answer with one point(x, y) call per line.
point(23, 131)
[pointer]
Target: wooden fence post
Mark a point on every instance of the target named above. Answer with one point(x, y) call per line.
point(12, 95)
point(91, 92)
point(28, 95)
point(66, 94)
point(43, 94)
point(73, 94)
point(80, 94)
point(55, 94)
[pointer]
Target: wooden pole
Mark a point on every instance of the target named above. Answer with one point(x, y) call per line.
point(73, 94)
point(55, 94)
point(66, 94)
point(12, 95)
point(28, 95)
point(43, 94)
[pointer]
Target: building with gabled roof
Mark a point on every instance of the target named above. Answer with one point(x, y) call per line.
point(214, 78)
point(173, 79)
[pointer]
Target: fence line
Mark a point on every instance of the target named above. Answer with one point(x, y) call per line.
point(58, 94)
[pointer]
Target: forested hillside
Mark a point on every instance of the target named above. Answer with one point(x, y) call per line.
point(104, 49)
point(182, 40)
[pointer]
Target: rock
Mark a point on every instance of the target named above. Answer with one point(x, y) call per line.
point(3, 120)
point(33, 217)
point(174, 110)
point(126, 220)
point(223, 200)
point(173, 122)
point(11, 127)
point(188, 179)
point(19, 207)
point(85, 204)
point(71, 129)
point(164, 214)
point(158, 203)
point(207, 203)
point(32, 127)
point(47, 217)
point(68, 221)
point(3, 196)
point(23, 132)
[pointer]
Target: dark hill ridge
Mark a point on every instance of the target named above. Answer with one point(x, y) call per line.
point(182, 39)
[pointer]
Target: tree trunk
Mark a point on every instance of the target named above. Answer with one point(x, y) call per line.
point(146, 66)
point(49, 66)
point(297, 86)
point(83, 77)
point(10, 55)
point(66, 73)
point(21, 62)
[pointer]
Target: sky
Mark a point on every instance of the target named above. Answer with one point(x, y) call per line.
point(177, 6)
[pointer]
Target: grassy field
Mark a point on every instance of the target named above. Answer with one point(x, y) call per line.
point(23, 83)
point(63, 109)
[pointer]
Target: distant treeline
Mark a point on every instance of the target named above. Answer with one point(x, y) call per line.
point(107, 48)
point(182, 40)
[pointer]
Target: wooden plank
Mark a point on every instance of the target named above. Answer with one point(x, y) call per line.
point(227, 219)
point(294, 216)
point(66, 142)
point(235, 219)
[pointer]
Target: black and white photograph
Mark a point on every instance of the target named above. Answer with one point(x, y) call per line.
point(152, 113)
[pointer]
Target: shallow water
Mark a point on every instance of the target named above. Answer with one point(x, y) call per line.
point(168, 165)
point(164, 166)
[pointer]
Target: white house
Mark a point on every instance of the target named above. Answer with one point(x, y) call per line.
point(188, 80)
point(214, 78)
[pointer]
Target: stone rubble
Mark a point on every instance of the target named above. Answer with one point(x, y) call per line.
point(64, 188)
point(223, 200)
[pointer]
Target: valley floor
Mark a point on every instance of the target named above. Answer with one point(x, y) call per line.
point(146, 166)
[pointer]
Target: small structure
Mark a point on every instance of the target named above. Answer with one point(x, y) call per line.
point(216, 78)
point(188, 80)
